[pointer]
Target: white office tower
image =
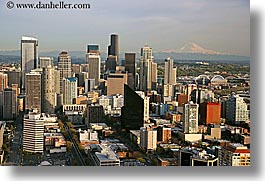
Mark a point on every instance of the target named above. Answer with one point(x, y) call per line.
point(170, 72)
point(146, 105)
point(29, 56)
point(148, 70)
point(33, 130)
point(148, 139)
point(236, 110)
point(190, 118)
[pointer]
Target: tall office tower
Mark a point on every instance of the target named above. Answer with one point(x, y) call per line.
point(130, 63)
point(46, 61)
point(210, 113)
point(148, 139)
point(133, 111)
point(89, 85)
point(57, 80)
point(3, 81)
point(234, 155)
point(33, 130)
point(111, 63)
point(114, 47)
point(29, 56)
point(69, 90)
point(76, 68)
point(146, 105)
point(148, 69)
point(190, 117)
point(14, 77)
point(49, 96)
point(81, 77)
point(64, 66)
point(188, 89)
point(115, 83)
point(10, 108)
point(236, 110)
point(33, 90)
point(170, 72)
point(93, 61)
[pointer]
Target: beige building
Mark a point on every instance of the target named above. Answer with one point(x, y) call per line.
point(234, 155)
point(115, 83)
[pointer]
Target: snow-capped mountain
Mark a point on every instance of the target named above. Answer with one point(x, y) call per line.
point(195, 48)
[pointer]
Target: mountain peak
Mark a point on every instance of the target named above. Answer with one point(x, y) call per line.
point(192, 47)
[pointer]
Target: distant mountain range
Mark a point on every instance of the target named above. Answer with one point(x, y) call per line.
point(190, 51)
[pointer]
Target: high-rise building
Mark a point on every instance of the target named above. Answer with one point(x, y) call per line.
point(64, 66)
point(163, 134)
point(93, 61)
point(148, 70)
point(111, 63)
point(29, 56)
point(2, 129)
point(236, 110)
point(148, 139)
point(89, 85)
point(33, 130)
point(115, 83)
point(46, 61)
point(81, 77)
point(202, 95)
point(234, 155)
point(210, 113)
point(10, 108)
point(33, 90)
point(14, 77)
point(132, 113)
point(130, 64)
point(190, 118)
point(114, 47)
point(95, 114)
point(3, 81)
point(49, 99)
point(69, 90)
point(170, 72)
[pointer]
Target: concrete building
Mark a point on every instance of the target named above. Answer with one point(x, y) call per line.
point(34, 90)
point(111, 63)
point(46, 61)
point(234, 155)
point(93, 60)
point(148, 70)
point(10, 107)
point(148, 139)
point(95, 114)
point(2, 129)
point(14, 77)
point(115, 83)
point(89, 85)
point(236, 110)
point(3, 81)
point(49, 95)
point(170, 72)
point(33, 129)
point(29, 56)
point(69, 90)
point(190, 118)
point(163, 134)
point(64, 67)
point(106, 157)
point(200, 96)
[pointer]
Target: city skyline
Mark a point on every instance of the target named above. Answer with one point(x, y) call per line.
point(220, 26)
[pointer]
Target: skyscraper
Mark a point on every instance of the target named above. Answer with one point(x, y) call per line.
point(69, 90)
point(29, 56)
point(190, 117)
point(93, 60)
point(64, 66)
point(9, 103)
point(115, 83)
point(111, 63)
point(45, 61)
point(114, 47)
point(33, 129)
point(3, 81)
point(170, 72)
point(33, 91)
point(130, 68)
point(148, 69)
point(48, 90)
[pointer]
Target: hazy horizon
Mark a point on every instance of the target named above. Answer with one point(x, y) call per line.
point(222, 26)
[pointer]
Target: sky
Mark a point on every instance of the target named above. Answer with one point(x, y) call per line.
point(222, 26)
